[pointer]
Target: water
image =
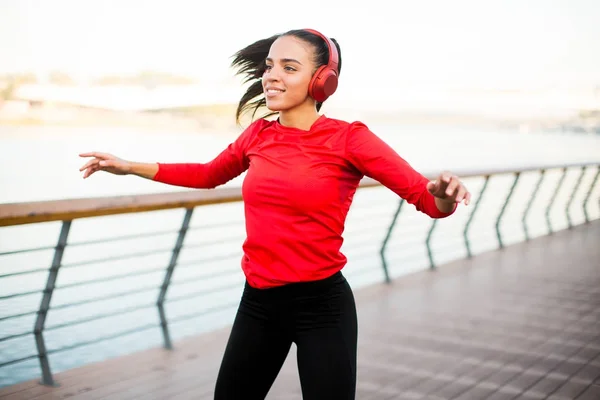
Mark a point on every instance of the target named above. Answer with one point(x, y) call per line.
point(41, 163)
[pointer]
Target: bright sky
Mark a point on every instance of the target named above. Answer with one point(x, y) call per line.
point(385, 43)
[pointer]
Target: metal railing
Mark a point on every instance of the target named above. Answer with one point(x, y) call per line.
point(68, 211)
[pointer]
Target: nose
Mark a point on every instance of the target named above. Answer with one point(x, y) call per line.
point(272, 75)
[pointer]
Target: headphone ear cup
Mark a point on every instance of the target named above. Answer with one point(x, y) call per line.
point(314, 81)
point(323, 84)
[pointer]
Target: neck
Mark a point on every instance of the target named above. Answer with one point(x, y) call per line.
point(301, 117)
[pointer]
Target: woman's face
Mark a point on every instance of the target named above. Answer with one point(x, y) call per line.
point(289, 69)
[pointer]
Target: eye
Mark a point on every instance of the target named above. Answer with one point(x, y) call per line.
point(268, 67)
point(289, 68)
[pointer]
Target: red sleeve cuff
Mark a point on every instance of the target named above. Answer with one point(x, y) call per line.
point(432, 210)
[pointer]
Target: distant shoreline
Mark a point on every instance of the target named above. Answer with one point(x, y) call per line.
point(220, 118)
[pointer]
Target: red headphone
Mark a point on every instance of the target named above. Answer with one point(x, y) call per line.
point(325, 80)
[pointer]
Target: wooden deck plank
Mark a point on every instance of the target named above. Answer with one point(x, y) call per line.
point(520, 322)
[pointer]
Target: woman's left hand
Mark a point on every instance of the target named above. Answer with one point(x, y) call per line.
point(449, 188)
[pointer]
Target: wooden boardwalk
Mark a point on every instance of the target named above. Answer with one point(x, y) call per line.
point(520, 323)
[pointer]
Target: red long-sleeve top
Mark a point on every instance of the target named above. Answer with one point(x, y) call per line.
point(298, 190)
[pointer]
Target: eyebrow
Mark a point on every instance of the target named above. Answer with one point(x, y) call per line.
point(285, 60)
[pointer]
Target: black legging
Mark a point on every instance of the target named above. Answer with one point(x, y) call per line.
point(319, 316)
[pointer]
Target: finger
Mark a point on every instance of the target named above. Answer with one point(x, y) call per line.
point(467, 198)
point(444, 180)
point(88, 172)
point(432, 187)
point(461, 194)
point(89, 164)
point(445, 177)
point(441, 185)
point(95, 154)
point(88, 154)
point(451, 188)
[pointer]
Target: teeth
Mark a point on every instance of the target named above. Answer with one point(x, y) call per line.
point(274, 91)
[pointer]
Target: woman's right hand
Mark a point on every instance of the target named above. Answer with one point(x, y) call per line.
point(104, 162)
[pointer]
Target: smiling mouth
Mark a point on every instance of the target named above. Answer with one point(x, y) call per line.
point(273, 92)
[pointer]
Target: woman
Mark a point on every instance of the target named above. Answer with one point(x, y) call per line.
point(302, 172)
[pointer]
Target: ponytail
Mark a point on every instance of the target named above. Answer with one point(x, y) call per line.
point(250, 62)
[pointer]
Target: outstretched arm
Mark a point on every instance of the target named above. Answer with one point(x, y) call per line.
point(376, 159)
point(230, 163)
point(114, 165)
point(222, 169)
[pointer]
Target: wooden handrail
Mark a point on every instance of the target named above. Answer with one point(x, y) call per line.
point(70, 209)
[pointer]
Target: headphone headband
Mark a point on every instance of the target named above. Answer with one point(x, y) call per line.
point(333, 53)
point(325, 80)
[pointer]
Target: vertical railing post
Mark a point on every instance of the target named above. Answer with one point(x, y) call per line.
point(530, 203)
point(589, 195)
point(385, 242)
point(428, 244)
point(38, 330)
point(575, 189)
point(164, 324)
point(506, 201)
point(472, 215)
point(553, 198)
